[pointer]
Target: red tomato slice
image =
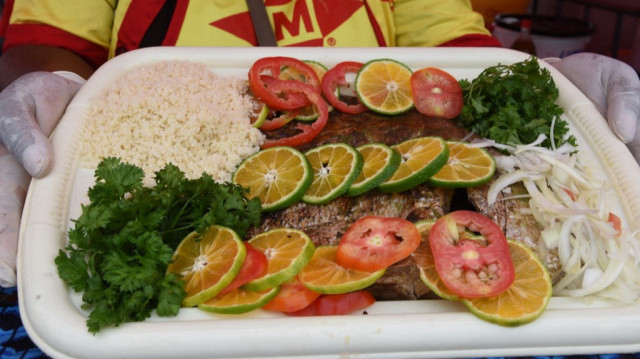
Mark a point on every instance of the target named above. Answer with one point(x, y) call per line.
point(335, 78)
point(292, 297)
point(469, 267)
point(373, 243)
point(277, 122)
point(617, 223)
point(270, 67)
point(337, 304)
point(254, 266)
point(436, 93)
point(309, 132)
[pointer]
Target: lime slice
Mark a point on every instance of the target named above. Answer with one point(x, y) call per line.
point(525, 300)
point(322, 274)
point(424, 259)
point(278, 176)
point(239, 301)
point(380, 163)
point(466, 167)
point(422, 157)
point(287, 252)
point(384, 86)
point(259, 115)
point(335, 166)
point(207, 263)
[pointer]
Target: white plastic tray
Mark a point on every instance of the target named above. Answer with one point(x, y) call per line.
point(434, 328)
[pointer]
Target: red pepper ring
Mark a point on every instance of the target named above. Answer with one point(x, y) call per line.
point(309, 132)
point(471, 266)
point(272, 65)
point(277, 122)
point(334, 78)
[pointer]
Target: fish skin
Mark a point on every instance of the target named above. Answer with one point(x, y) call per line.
point(325, 224)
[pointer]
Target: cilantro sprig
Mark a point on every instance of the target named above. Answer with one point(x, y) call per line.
point(514, 104)
point(121, 244)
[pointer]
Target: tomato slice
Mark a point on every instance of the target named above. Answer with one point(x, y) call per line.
point(292, 297)
point(335, 78)
point(436, 93)
point(270, 67)
point(337, 304)
point(308, 132)
point(254, 266)
point(471, 266)
point(373, 243)
point(617, 223)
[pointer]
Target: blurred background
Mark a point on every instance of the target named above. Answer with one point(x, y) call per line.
point(561, 27)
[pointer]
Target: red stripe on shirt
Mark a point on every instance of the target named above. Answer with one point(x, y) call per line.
point(4, 18)
point(139, 16)
point(39, 34)
point(176, 23)
point(376, 27)
point(472, 40)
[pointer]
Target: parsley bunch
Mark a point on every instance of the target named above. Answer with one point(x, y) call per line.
point(121, 244)
point(513, 104)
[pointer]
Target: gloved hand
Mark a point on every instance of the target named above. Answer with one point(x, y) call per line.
point(613, 87)
point(31, 107)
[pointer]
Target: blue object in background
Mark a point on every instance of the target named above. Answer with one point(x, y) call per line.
point(15, 343)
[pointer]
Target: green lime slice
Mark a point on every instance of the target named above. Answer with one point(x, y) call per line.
point(525, 300)
point(287, 252)
point(239, 301)
point(422, 157)
point(426, 265)
point(380, 163)
point(466, 167)
point(323, 275)
point(335, 166)
point(207, 262)
point(384, 86)
point(278, 176)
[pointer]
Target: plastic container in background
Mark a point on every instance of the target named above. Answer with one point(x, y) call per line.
point(490, 8)
point(552, 36)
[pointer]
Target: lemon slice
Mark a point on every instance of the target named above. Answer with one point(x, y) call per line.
point(239, 301)
point(287, 252)
point(384, 86)
point(426, 265)
point(335, 166)
point(278, 176)
point(525, 300)
point(380, 162)
point(207, 263)
point(421, 158)
point(466, 167)
point(322, 274)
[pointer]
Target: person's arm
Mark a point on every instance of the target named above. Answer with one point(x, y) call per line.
point(23, 59)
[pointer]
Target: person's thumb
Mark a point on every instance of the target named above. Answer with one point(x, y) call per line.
point(31, 107)
point(14, 181)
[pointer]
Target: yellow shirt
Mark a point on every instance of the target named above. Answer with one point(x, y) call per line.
point(108, 27)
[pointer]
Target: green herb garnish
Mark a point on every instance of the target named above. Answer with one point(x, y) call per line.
point(514, 104)
point(121, 244)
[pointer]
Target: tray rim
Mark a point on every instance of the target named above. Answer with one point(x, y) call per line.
point(338, 335)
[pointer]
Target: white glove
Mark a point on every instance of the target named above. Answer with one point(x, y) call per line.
point(31, 107)
point(613, 87)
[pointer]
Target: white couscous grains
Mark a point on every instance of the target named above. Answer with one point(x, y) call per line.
point(173, 111)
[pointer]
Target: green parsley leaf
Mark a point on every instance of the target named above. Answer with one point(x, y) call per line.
point(514, 104)
point(123, 240)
